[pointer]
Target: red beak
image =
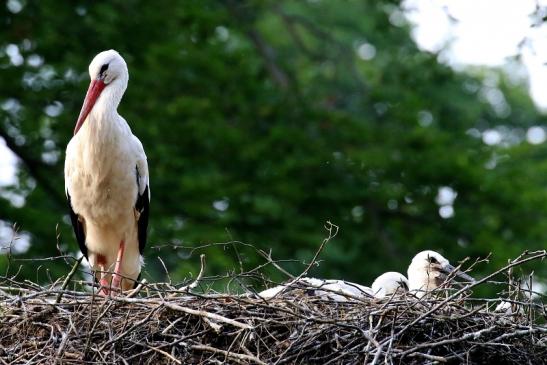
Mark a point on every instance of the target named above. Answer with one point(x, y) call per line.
point(95, 89)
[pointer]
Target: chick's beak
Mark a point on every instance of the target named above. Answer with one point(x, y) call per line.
point(448, 269)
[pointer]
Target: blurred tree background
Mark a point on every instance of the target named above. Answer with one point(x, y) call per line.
point(261, 120)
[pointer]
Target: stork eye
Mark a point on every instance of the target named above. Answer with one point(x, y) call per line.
point(404, 285)
point(433, 260)
point(103, 68)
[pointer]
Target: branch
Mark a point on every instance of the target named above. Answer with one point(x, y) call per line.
point(228, 354)
point(194, 283)
point(269, 56)
point(208, 315)
point(68, 278)
point(264, 49)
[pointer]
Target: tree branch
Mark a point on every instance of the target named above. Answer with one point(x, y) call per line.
point(269, 57)
point(267, 53)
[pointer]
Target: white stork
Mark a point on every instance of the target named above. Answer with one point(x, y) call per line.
point(429, 270)
point(389, 283)
point(106, 180)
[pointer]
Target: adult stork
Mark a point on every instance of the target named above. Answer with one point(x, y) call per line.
point(106, 180)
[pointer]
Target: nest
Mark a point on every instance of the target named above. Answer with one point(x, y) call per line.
point(161, 324)
point(294, 328)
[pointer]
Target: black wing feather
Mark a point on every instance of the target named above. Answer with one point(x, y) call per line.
point(78, 227)
point(143, 207)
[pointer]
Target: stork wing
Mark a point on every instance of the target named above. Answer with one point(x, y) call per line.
point(142, 205)
point(78, 226)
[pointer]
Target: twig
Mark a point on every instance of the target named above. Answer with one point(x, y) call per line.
point(212, 316)
point(332, 230)
point(164, 353)
point(232, 355)
point(195, 283)
point(429, 357)
point(68, 278)
point(135, 291)
point(474, 335)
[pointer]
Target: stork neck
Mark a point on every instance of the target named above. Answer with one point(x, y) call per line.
point(416, 278)
point(106, 106)
point(104, 121)
point(101, 133)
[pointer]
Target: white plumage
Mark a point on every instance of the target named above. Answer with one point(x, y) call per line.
point(106, 178)
point(428, 270)
point(340, 290)
point(388, 284)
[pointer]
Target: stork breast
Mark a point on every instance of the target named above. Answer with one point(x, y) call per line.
point(106, 195)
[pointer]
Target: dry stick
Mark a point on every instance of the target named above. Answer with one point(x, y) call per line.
point(165, 269)
point(315, 319)
point(268, 257)
point(241, 346)
point(195, 283)
point(133, 327)
point(135, 291)
point(429, 357)
point(97, 320)
point(289, 347)
point(372, 331)
point(54, 284)
point(64, 339)
point(68, 278)
point(176, 342)
point(473, 335)
point(127, 322)
point(212, 316)
point(329, 227)
point(232, 355)
point(530, 284)
point(519, 333)
point(164, 353)
point(40, 259)
point(166, 329)
point(377, 356)
point(535, 255)
point(51, 336)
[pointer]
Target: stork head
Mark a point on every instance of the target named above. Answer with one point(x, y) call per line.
point(389, 283)
point(108, 72)
point(428, 270)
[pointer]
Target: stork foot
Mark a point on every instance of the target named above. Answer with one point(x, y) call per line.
point(104, 286)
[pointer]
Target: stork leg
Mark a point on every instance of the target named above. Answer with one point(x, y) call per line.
point(117, 277)
point(100, 262)
point(105, 285)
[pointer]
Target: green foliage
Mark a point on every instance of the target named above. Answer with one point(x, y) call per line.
point(267, 109)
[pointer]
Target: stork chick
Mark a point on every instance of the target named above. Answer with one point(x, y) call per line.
point(389, 283)
point(429, 270)
point(342, 291)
